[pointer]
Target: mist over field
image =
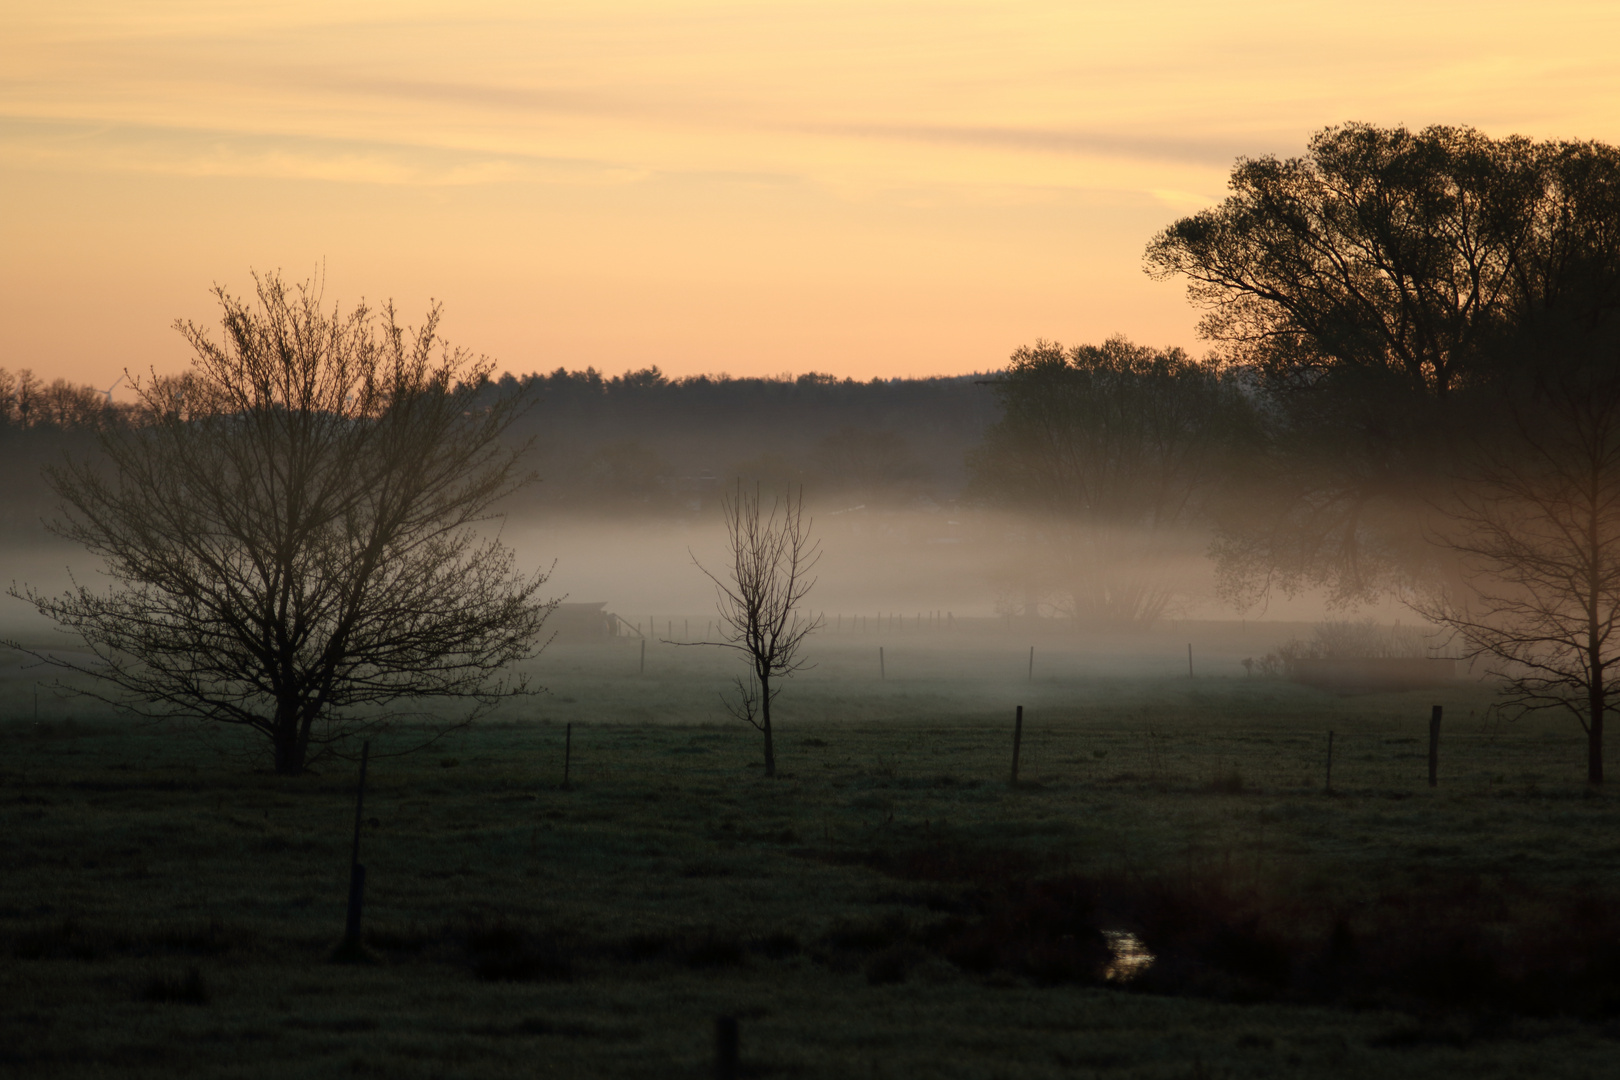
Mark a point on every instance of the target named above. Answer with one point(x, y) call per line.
point(925, 521)
point(630, 477)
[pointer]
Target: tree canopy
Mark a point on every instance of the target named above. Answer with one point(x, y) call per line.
point(1384, 287)
point(1113, 451)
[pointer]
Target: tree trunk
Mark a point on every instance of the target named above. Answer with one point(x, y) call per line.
point(292, 745)
point(1596, 703)
point(289, 756)
point(1596, 692)
point(765, 725)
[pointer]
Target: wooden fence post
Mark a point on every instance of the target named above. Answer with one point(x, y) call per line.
point(882, 671)
point(1031, 664)
point(357, 872)
point(1434, 747)
point(1018, 739)
point(643, 656)
point(568, 751)
point(1330, 764)
point(725, 1048)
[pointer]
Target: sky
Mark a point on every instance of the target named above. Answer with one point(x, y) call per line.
point(867, 189)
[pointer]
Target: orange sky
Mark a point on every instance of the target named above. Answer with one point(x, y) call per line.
point(869, 188)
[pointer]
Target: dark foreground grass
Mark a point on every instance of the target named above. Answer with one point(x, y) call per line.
point(888, 908)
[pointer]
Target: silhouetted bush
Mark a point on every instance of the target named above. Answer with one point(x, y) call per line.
point(715, 950)
point(868, 935)
point(892, 965)
point(501, 951)
point(68, 939)
point(187, 989)
point(1438, 943)
point(778, 945)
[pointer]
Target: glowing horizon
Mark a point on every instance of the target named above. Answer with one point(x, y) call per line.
point(862, 189)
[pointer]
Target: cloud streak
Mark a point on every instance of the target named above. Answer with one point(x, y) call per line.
point(145, 148)
point(1218, 153)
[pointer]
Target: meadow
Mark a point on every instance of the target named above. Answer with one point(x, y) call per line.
point(890, 906)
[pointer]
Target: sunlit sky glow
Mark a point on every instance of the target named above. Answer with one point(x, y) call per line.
point(871, 188)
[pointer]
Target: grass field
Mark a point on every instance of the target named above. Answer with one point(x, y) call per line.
point(889, 907)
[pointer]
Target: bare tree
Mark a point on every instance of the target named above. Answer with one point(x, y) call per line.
point(772, 558)
point(289, 530)
point(1537, 530)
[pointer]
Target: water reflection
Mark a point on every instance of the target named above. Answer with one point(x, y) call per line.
point(1130, 956)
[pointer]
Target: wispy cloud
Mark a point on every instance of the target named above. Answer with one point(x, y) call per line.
point(479, 96)
point(171, 150)
point(1190, 151)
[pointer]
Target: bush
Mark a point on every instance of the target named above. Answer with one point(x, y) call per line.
point(1345, 640)
point(187, 989)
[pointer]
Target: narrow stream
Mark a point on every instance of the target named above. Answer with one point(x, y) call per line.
point(1130, 956)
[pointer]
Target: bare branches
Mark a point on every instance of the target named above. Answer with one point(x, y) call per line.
point(773, 559)
point(1538, 535)
point(745, 701)
point(290, 531)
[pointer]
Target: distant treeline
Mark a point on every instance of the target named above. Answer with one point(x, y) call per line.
point(634, 443)
point(39, 423)
point(26, 401)
point(644, 442)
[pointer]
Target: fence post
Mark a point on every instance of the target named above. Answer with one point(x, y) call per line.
point(357, 872)
point(1330, 764)
point(725, 1048)
point(1189, 660)
point(882, 671)
point(568, 751)
point(1018, 739)
point(643, 656)
point(1031, 664)
point(1434, 747)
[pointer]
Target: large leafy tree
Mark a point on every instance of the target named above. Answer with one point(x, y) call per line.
point(1434, 317)
point(1376, 285)
point(1383, 253)
point(289, 530)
